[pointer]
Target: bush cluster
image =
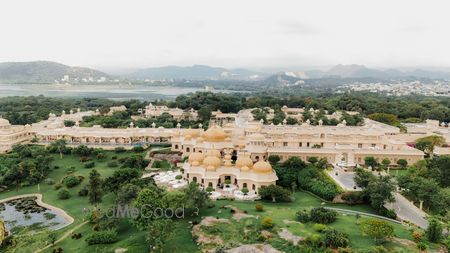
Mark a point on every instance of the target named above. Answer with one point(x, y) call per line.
point(318, 183)
point(102, 237)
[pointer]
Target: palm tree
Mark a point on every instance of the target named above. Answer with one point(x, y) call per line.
point(59, 145)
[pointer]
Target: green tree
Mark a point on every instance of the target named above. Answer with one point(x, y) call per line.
point(370, 161)
point(147, 201)
point(159, 231)
point(274, 193)
point(274, 159)
point(313, 159)
point(434, 231)
point(377, 229)
point(402, 163)
point(60, 146)
point(198, 198)
point(95, 187)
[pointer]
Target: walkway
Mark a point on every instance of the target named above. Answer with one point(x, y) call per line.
point(343, 179)
point(404, 209)
point(70, 232)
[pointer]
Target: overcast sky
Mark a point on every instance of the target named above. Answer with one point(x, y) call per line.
point(229, 33)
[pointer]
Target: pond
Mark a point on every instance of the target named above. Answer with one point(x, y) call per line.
point(25, 212)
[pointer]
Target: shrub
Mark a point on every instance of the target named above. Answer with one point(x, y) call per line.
point(83, 192)
point(85, 159)
point(63, 194)
point(259, 207)
point(119, 150)
point(89, 165)
point(389, 213)
point(267, 222)
point(112, 164)
point(303, 216)
point(417, 236)
point(71, 181)
point(323, 215)
point(49, 181)
point(335, 239)
point(245, 191)
point(434, 231)
point(114, 157)
point(320, 227)
point(227, 181)
point(138, 149)
point(352, 197)
point(314, 240)
point(209, 189)
point(101, 156)
point(421, 246)
point(178, 177)
point(317, 182)
point(102, 237)
point(57, 186)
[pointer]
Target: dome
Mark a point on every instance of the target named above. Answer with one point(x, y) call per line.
point(4, 122)
point(188, 137)
point(215, 134)
point(196, 158)
point(262, 167)
point(245, 168)
point(244, 161)
point(212, 162)
point(200, 140)
point(213, 152)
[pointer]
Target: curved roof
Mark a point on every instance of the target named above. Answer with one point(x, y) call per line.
point(244, 161)
point(196, 158)
point(215, 134)
point(262, 167)
point(212, 162)
point(4, 122)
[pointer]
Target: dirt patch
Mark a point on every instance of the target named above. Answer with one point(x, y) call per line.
point(288, 236)
point(404, 242)
point(204, 239)
point(287, 222)
point(254, 248)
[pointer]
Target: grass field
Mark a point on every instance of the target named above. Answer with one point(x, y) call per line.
point(181, 241)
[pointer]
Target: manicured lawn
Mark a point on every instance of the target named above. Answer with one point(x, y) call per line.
point(134, 240)
point(284, 212)
point(75, 205)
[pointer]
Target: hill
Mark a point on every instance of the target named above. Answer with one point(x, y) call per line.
point(195, 72)
point(44, 72)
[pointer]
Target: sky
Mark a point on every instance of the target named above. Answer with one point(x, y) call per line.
point(227, 33)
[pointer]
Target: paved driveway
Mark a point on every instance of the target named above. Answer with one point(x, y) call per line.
point(404, 209)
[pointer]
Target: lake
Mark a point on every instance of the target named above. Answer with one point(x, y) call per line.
point(110, 91)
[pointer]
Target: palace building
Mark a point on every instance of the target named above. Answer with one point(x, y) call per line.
point(235, 148)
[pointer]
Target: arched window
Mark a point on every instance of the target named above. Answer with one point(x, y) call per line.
point(194, 179)
point(176, 146)
point(253, 187)
point(209, 184)
point(244, 185)
point(188, 149)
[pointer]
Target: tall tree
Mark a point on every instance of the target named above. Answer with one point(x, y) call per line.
point(95, 187)
point(60, 146)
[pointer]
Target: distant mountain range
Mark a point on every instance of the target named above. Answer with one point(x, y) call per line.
point(361, 71)
point(196, 72)
point(43, 72)
point(52, 72)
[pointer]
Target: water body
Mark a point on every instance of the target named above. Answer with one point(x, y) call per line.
point(110, 91)
point(15, 219)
